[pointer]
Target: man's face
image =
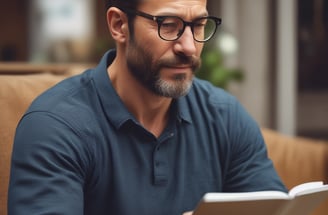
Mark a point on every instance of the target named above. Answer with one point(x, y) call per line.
point(166, 68)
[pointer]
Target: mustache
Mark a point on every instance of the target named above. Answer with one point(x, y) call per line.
point(192, 61)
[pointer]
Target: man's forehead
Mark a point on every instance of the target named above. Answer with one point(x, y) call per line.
point(169, 2)
point(186, 9)
point(174, 5)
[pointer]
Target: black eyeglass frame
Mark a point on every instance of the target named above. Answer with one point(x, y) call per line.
point(160, 20)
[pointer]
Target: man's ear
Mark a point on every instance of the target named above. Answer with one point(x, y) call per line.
point(117, 22)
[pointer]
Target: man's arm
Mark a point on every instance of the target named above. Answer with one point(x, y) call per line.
point(48, 168)
point(249, 168)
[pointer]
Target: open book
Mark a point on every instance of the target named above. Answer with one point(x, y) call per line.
point(301, 200)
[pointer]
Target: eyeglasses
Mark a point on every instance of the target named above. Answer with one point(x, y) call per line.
point(170, 28)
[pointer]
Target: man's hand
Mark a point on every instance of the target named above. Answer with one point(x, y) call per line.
point(188, 213)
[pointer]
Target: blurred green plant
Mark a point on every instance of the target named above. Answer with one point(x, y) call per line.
point(214, 71)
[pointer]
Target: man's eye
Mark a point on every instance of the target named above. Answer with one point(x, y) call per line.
point(169, 25)
point(199, 25)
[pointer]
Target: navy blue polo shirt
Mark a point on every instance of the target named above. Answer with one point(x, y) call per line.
point(78, 150)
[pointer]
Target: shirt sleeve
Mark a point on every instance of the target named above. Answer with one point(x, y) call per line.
point(248, 166)
point(49, 165)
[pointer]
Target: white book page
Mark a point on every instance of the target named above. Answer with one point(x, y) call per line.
point(300, 189)
point(245, 196)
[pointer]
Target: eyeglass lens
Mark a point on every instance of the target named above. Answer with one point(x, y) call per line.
point(171, 28)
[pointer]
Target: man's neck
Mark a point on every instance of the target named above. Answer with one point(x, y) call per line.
point(152, 111)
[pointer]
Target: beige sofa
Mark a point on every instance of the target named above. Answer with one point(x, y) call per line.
point(297, 160)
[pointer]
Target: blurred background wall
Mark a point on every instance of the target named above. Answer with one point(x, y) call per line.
point(280, 46)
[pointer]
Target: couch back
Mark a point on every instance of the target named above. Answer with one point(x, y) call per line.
point(297, 160)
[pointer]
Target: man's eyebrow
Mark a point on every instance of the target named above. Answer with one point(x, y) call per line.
point(203, 14)
point(175, 14)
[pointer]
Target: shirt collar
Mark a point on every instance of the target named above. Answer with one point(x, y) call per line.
point(183, 110)
point(114, 108)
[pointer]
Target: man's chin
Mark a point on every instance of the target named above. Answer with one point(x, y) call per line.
point(173, 88)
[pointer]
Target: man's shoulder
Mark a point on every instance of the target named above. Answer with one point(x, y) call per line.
point(67, 99)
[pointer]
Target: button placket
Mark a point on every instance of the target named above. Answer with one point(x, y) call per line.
point(160, 163)
point(160, 167)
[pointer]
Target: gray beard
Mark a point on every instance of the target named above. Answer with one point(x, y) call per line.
point(141, 66)
point(179, 88)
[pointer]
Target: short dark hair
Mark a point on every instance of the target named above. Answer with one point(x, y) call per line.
point(122, 3)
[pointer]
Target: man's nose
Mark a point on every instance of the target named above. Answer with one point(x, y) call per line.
point(186, 44)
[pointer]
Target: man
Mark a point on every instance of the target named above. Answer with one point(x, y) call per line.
point(138, 134)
